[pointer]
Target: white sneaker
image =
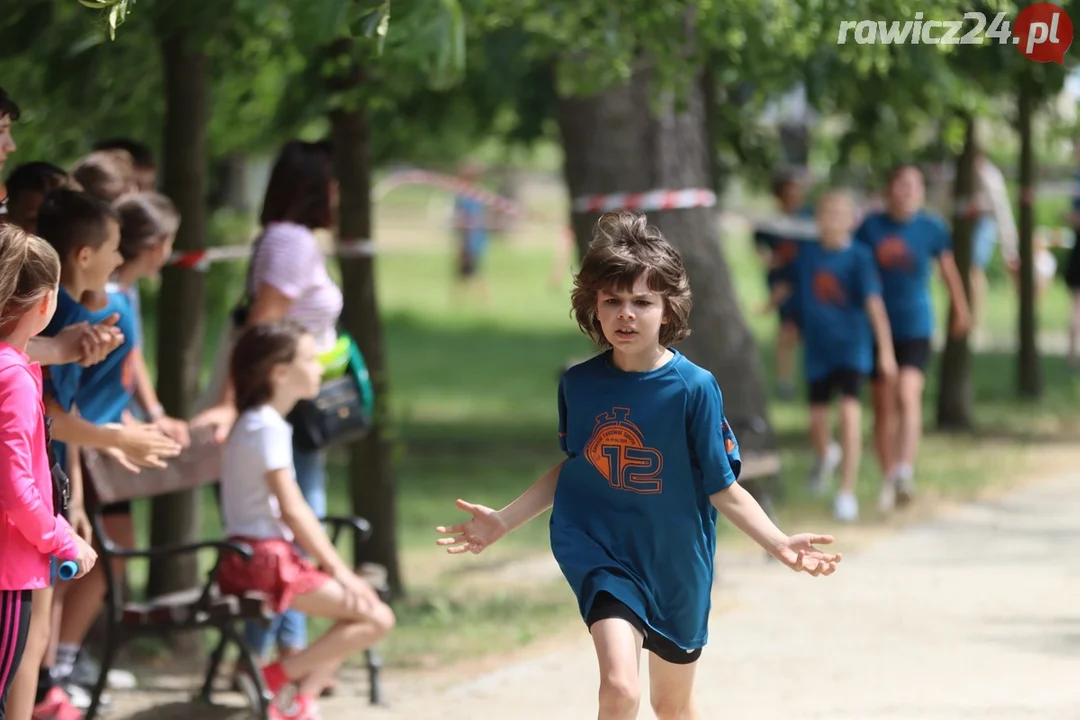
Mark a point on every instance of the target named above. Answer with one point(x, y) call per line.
point(887, 498)
point(905, 486)
point(846, 507)
point(818, 481)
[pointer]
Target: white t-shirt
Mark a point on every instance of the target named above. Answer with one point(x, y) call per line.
point(260, 442)
point(290, 259)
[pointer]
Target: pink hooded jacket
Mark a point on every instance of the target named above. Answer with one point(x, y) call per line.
point(30, 530)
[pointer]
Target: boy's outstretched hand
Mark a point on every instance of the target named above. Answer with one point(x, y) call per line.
point(799, 554)
point(474, 535)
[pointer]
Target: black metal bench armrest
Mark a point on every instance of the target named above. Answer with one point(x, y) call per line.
point(360, 526)
point(167, 550)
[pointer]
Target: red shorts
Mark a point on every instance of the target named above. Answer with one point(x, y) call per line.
point(276, 569)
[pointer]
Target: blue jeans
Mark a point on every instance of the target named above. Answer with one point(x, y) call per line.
point(983, 240)
point(290, 628)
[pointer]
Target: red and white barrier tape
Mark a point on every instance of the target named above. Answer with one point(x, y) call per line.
point(449, 183)
point(645, 201)
point(202, 259)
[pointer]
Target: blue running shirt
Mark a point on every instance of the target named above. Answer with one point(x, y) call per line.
point(904, 252)
point(632, 516)
point(832, 287)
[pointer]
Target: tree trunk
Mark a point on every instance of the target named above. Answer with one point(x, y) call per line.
point(954, 401)
point(616, 142)
point(371, 471)
point(710, 100)
point(1029, 378)
point(177, 517)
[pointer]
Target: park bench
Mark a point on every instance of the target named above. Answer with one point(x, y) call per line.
point(199, 608)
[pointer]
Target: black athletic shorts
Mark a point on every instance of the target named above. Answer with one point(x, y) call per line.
point(15, 614)
point(846, 382)
point(909, 353)
point(605, 605)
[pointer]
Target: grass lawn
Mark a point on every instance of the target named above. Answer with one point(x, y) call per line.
point(473, 393)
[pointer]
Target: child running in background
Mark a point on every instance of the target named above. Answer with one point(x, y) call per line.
point(839, 293)
point(273, 366)
point(650, 461)
point(32, 532)
point(777, 248)
point(905, 241)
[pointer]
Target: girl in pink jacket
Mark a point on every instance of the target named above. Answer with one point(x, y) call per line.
point(31, 530)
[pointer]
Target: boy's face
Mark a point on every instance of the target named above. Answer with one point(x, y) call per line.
point(631, 319)
point(7, 143)
point(98, 265)
point(907, 192)
point(24, 211)
point(792, 195)
point(835, 219)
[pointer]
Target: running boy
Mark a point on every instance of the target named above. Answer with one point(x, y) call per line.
point(650, 459)
point(839, 292)
point(905, 241)
point(778, 248)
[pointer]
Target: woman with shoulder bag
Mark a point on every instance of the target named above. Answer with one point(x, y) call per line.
point(288, 279)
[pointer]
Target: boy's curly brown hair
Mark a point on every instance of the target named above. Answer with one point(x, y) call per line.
point(624, 248)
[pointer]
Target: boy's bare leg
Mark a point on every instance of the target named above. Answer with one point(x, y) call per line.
point(671, 689)
point(618, 650)
point(850, 442)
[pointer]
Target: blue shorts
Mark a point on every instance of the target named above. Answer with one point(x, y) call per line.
point(983, 240)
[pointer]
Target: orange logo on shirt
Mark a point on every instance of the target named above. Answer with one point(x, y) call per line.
point(617, 450)
point(785, 253)
point(893, 254)
point(827, 289)
point(127, 374)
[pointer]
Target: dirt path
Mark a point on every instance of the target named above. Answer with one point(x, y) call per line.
point(971, 615)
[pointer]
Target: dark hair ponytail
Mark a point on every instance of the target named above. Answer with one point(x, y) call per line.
point(258, 351)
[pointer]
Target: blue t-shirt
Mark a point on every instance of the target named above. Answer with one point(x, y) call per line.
point(103, 391)
point(473, 214)
point(904, 253)
point(632, 515)
point(833, 287)
point(135, 303)
point(783, 250)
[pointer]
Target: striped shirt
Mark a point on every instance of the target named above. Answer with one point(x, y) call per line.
point(289, 258)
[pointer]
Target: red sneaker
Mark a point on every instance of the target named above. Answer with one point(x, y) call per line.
point(56, 706)
point(292, 706)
